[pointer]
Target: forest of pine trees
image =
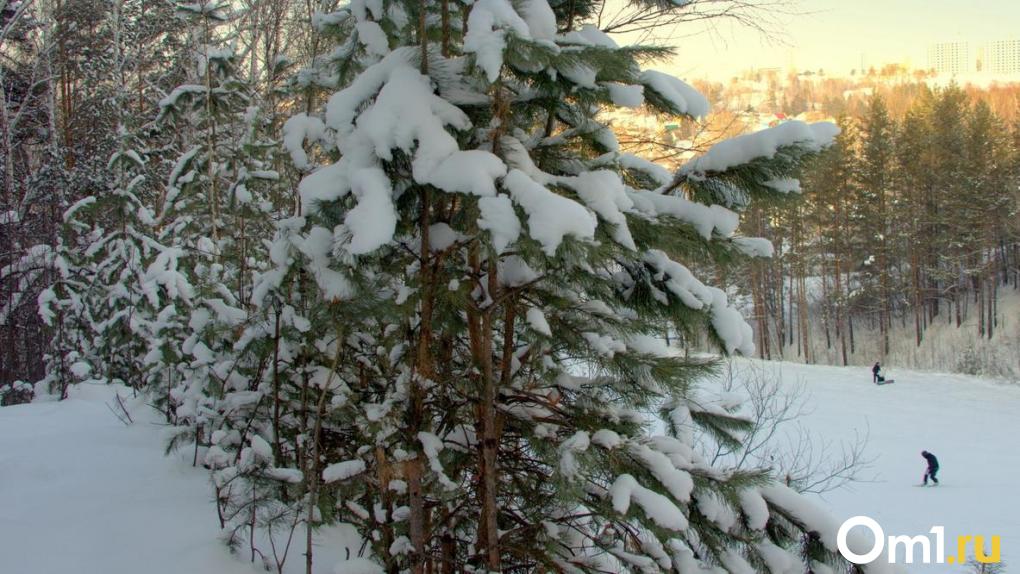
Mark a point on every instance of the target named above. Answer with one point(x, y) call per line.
point(906, 222)
point(383, 263)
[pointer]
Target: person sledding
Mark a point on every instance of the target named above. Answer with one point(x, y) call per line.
point(933, 468)
point(877, 377)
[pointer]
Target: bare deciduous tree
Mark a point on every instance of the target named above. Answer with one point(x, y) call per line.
point(778, 440)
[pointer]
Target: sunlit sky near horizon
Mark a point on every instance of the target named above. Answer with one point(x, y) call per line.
point(837, 35)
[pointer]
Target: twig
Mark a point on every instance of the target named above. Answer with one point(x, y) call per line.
point(122, 414)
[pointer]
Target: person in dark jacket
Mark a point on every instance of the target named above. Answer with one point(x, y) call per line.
point(933, 467)
point(875, 377)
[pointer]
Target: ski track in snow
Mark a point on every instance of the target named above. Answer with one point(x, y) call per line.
point(82, 493)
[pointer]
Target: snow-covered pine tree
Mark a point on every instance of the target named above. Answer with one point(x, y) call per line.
point(913, 176)
point(105, 245)
point(498, 275)
point(832, 185)
point(882, 213)
point(217, 196)
point(216, 349)
point(984, 218)
point(116, 228)
point(62, 308)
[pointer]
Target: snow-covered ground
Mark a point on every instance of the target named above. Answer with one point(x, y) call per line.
point(970, 424)
point(81, 493)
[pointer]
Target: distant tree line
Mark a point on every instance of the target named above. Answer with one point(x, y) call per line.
point(908, 220)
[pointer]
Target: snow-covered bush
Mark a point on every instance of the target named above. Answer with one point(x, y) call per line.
point(16, 393)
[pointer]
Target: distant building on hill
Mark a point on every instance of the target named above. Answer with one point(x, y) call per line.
point(1001, 57)
point(950, 58)
point(998, 58)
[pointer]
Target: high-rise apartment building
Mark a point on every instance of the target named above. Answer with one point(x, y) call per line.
point(950, 58)
point(1002, 57)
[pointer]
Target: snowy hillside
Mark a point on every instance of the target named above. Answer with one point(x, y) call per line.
point(971, 424)
point(82, 493)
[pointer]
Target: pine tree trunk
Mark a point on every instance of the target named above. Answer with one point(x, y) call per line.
point(449, 554)
point(826, 312)
point(759, 311)
point(840, 326)
point(313, 470)
point(803, 316)
point(488, 523)
point(480, 338)
point(445, 21)
point(957, 301)
point(789, 312)
point(417, 518)
point(211, 142)
point(779, 312)
point(850, 328)
point(993, 290)
point(277, 430)
point(423, 372)
point(979, 294)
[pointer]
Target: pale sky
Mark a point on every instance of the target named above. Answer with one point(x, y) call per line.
point(836, 34)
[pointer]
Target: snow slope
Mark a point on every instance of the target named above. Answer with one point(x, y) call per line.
point(970, 424)
point(81, 493)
